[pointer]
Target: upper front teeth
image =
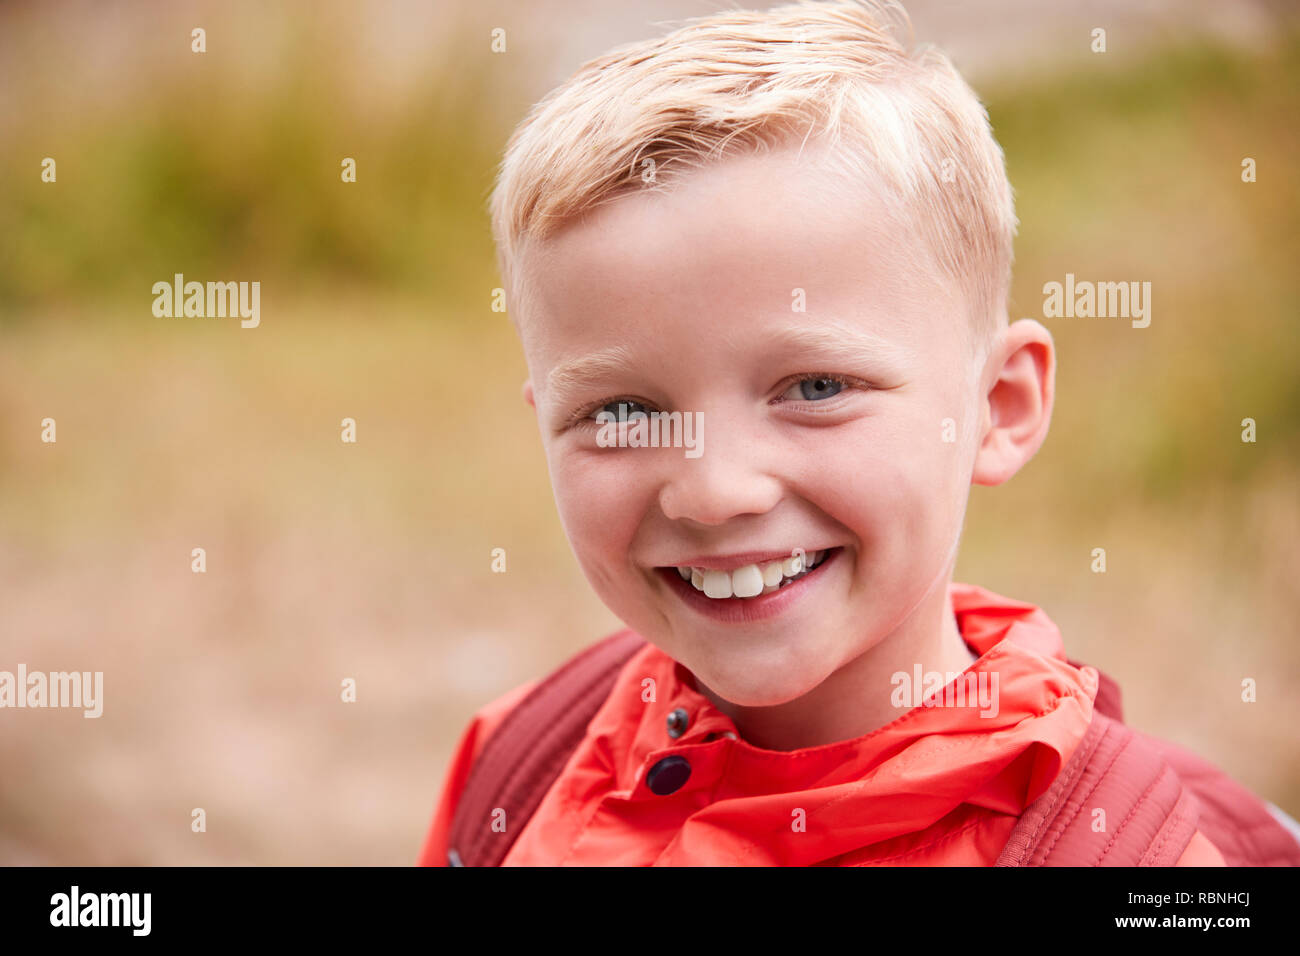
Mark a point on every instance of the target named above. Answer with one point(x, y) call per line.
point(751, 580)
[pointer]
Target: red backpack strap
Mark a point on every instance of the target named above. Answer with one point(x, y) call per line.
point(1149, 816)
point(525, 755)
point(1239, 824)
point(1236, 821)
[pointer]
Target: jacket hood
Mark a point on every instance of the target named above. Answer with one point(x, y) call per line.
point(741, 804)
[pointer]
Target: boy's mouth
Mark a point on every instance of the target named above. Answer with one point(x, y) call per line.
point(744, 592)
point(751, 580)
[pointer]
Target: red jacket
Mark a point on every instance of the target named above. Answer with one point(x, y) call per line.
point(936, 786)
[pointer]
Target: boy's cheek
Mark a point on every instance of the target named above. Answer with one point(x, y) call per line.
point(589, 480)
point(600, 512)
point(903, 517)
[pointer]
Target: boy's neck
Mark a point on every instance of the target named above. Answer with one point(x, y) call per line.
point(856, 699)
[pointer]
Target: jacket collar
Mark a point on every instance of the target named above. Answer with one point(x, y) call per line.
point(909, 773)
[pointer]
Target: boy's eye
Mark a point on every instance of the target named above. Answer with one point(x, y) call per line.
point(813, 389)
point(620, 409)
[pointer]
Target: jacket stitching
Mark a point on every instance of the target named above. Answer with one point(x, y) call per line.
point(1043, 852)
point(1137, 805)
point(1068, 777)
point(1171, 825)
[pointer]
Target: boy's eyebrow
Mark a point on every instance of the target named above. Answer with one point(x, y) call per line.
point(572, 376)
point(858, 348)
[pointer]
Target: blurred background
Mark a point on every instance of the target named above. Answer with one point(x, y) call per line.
point(370, 561)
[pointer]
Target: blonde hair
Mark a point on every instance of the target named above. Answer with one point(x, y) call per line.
point(743, 80)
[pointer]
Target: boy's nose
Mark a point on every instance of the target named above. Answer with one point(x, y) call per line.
point(729, 479)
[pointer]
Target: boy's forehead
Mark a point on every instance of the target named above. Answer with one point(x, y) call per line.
point(771, 234)
point(735, 212)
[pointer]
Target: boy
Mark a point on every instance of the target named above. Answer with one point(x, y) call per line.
point(785, 226)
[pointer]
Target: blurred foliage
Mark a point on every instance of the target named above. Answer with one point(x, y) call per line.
point(1136, 175)
point(215, 181)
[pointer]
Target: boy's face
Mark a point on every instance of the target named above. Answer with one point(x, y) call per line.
point(688, 302)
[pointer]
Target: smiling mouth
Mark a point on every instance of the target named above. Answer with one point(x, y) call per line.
point(753, 581)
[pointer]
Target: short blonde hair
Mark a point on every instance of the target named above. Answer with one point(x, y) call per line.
point(750, 80)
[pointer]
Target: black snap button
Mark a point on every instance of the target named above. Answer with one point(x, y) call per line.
point(677, 723)
point(668, 775)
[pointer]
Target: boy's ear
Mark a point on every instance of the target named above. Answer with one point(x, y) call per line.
point(528, 392)
point(1018, 407)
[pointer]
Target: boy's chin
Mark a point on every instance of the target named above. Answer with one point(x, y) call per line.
point(757, 687)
